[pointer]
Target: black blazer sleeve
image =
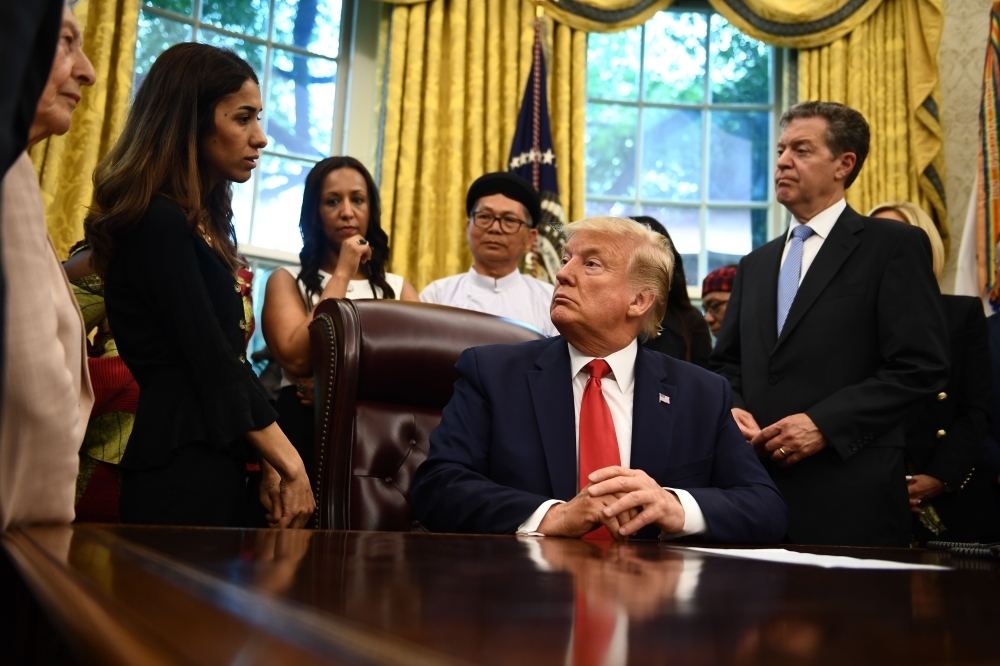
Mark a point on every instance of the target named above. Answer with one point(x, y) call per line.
point(726, 358)
point(962, 447)
point(180, 336)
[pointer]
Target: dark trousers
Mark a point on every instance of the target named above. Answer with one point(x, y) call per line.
point(197, 486)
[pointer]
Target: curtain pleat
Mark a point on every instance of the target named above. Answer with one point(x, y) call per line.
point(870, 70)
point(65, 163)
point(455, 74)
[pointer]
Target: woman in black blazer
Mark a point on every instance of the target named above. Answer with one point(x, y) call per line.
point(684, 333)
point(949, 489)
point(162, 238)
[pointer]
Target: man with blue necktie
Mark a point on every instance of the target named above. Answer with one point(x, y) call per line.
point(589, 433)
point(832, 333)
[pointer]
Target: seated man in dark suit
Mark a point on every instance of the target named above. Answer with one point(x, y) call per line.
point(589, 432)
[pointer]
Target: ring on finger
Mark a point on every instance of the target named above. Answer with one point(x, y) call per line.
point(783, 452)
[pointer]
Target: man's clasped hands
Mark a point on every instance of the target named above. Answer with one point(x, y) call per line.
point(621, 499)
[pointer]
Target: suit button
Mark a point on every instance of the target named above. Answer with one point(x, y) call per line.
point(940, 434)
point(773, 379)
point(388, 479)
point(242, 358)
point(942, 396)
point(413, 442)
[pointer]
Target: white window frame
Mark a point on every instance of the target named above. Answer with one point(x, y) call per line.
point(775, 216)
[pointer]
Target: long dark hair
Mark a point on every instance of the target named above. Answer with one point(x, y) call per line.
point(158, 152)
point(314, 241)
point(678, 300)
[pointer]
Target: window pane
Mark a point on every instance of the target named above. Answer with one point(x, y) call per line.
point(728, 237)
point(252, 53)
point(739, 145)
point(613, 65)
point(276, 219)
point(300, 104)
point(248, 17)
point(155, 35)
point(183, 7)
point(309, 24)
point(674, 69)
point(610, 145)
point(684, 228)
point(612, 208)
point(741, 66)
point(671, 154)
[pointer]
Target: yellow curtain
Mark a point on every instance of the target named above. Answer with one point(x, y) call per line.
point(887, 69)
point(453, 81)
point(65, 163)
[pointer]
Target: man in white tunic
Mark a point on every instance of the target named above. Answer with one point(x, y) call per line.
point(503, 210)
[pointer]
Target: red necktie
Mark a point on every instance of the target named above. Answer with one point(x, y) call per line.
point(593, 630)
point(598, 441)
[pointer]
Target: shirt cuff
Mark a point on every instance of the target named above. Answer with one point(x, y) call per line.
point(530, 526)
point(694, 519)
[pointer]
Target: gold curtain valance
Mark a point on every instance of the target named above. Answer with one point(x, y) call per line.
point(798, 24)
point(591, 15)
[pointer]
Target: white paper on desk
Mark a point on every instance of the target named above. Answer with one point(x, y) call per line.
point(826, 561)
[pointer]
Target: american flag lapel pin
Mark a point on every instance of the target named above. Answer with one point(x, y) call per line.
point(665, 398)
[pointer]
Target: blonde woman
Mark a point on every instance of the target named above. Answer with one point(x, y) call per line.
point(949, 497)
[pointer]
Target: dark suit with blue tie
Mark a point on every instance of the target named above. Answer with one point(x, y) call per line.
point(506, 444)
point(863, 343)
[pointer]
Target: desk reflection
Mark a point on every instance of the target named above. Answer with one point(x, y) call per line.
point(523, 601)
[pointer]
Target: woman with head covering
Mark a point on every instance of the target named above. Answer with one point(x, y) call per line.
point(344, 254)
point(949, 490)
point(163, 200)
point(715, 291)
point(684, 333)
point(46, 388)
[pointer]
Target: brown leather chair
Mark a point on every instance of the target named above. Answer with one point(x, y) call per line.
point(384, 370)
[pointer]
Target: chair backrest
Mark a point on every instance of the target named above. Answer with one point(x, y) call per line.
point(384, 370)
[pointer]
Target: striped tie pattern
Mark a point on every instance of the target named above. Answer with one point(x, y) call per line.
point(791, 271)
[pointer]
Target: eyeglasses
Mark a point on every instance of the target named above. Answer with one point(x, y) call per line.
point(714, 308)
point(508, 223)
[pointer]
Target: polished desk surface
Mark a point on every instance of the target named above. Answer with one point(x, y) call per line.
point(214, 596)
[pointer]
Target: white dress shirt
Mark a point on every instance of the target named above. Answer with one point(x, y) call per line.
point(515, 296)
point(821, 225)
point(618, 394)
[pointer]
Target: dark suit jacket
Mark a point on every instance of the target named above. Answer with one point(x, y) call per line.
point(506, 443)
point(968, 511)
point(671, 338)
point(863, 343)
point(991, 452)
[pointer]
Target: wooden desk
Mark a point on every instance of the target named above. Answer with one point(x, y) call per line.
point(138, 595)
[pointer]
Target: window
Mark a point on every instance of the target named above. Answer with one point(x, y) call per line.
point(294, 46)
point(680, 126)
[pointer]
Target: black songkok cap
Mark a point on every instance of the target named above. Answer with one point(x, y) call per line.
point(511, 186)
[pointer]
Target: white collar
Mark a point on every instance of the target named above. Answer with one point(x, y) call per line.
point(495, 285)
point(622, 363)
point(822, 223)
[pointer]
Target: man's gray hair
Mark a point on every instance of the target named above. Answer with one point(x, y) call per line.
point(650, 265)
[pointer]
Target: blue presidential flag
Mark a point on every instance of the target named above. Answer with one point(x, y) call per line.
point(533, 158)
